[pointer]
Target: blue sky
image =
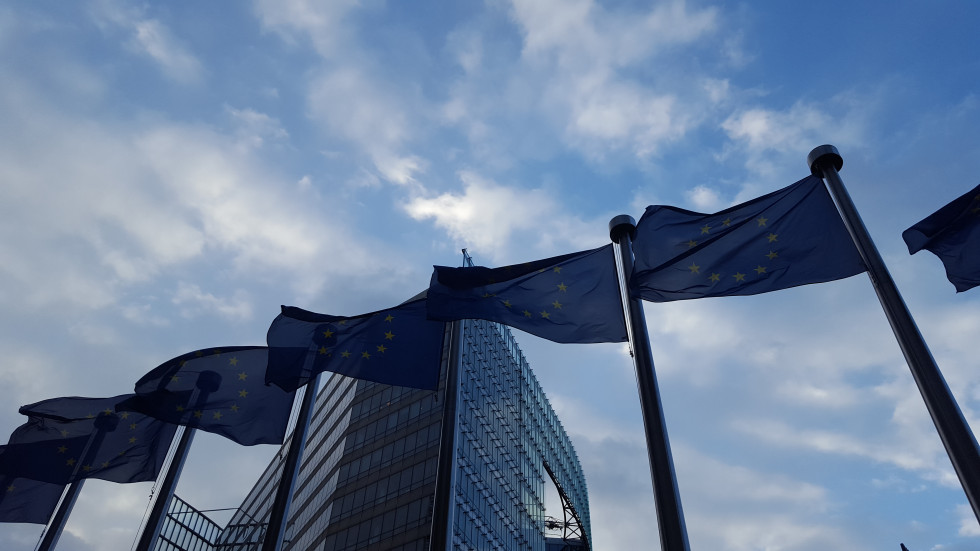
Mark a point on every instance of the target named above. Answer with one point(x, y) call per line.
point(171, 173)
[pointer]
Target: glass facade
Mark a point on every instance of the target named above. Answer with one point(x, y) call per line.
point(368, 473)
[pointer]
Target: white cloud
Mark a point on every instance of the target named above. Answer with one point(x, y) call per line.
point(155, 40)
point(904, 450)
point(322, 23)
point(968, 521)
point(765, 136)
point(352, 106)
point(193, 302)
point(705, 199)
point(579, 55)
point(93, 208)
point(152, 38)
point(489, 217)
point(254, 128)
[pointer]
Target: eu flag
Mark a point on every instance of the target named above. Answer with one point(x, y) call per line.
point(569, 299)
point(219, 390)
point(25, 500)
point(953, 234)
point(790, 237)
point(69, 439)
point(397, 346)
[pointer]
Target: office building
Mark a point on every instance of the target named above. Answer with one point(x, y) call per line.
point(367, 480)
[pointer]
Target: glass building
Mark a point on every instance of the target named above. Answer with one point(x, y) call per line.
point(367, 479)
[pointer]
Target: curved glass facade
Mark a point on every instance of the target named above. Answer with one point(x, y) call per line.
point(367, 477)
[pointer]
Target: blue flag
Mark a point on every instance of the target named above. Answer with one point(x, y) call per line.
point(569, 299)
point(69, 439)
point(25, 500)
point(219, 390)
point(790, 237)
point(397, 346)
point(953, 234)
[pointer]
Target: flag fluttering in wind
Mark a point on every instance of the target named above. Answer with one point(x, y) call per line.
point(396, 346)
point(572, 298)
point(25, 500)
point(69, 439)
point(790, 237)
point(953, 234)
point(219, 390)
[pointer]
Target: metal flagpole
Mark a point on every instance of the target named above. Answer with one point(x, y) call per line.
point(103, 424)
point(151, 530)
point(57, 523)
point(290, 468)
point(207, 382)
point(670, 516)
point(960, 443)
point(440, 538)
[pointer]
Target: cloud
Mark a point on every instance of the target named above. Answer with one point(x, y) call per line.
point(579, 72)
point(488, 217)
point(194, 302)
point(909, 451)
point(766, 136)
point(351, 106)
point(323, 24)
point(968, 521)
point(151, 38)
point(705, 199)
point(95, 208)
point(254, 128)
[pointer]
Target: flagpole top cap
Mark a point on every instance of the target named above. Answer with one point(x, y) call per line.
point(622, 225)
point(824, 155)
point(209, 381)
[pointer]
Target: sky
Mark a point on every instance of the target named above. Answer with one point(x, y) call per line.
point(171, 173)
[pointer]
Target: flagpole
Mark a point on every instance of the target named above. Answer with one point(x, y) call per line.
point(207, 382)
point(670, 515)
point(103, 424)
point(151, 530)
point(284, 492)
point(440, 536)
point(60, 518)
point(960, 443)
